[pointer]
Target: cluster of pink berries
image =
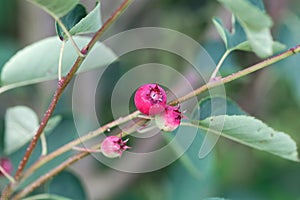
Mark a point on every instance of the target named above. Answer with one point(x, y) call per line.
point(151, 99)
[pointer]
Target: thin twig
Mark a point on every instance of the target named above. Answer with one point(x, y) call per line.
point(78, 141)
point(214, 74)
point(49, 175)
point(9, 177)
point(238, 74)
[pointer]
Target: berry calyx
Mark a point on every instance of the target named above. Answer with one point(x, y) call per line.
point(170, 119)
point(6, 164)
point(113, 146)
point(150, 99)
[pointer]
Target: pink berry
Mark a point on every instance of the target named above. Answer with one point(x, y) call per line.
point(150, 99)
point(168, 120)
point(6, 165)
point(113, 146)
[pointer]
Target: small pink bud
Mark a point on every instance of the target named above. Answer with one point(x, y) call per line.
point(113, 146)
point(168, 120)
point(150, 99)
point(6, 165)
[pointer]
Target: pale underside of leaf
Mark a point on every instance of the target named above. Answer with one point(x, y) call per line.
point(20, 125)
point(38, 62)
point(252, 132)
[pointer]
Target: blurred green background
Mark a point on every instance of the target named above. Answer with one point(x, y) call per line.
point(231, 171)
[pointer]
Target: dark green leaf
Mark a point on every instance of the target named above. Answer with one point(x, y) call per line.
point(252, 132)
point(71, 19)
point(56, 8)
point(90, 23)
point(193, 177)
point(288, 69)
point(213, 106)
point(73, 187)
point(234, 40)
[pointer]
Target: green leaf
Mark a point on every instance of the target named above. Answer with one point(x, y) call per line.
point(252, 22)
point(74, 189)
point(46, 197)
point(35, 64)
point(71, 19)
point(252, 16)
point(234, 40)
point(252, 132)
point(90, 23)
point(21, 124)
point(214, 106)
point(56, 8)
point(218, 105)
point(195, 177)
point(77, 21)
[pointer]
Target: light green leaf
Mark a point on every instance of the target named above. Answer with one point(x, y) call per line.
point(261, 41)
point(254, 133)
point(89, 24)
point(221, 30)
point(256, 24)
point(46, 197)
point(253, 17)
point(21, 124)
point(78, 22)
point(56, 8)
point(38, 62)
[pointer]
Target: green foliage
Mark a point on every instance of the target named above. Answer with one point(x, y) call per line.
point(77, 21)
point(252, 132)
point(192, 177)
point(21, 124)
point(31, 65)
point(251, 28)
point(46, 197)
point(74, 188)
point(213, 106)
point(56, 8)
point(71, 19)
point(288, 70)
